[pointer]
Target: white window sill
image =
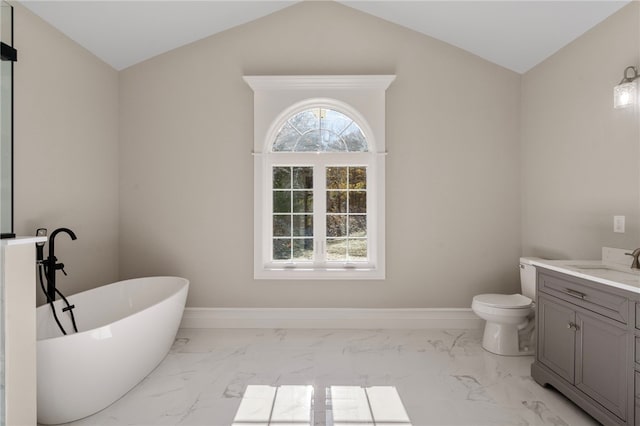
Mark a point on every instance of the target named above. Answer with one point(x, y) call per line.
point(311, 273)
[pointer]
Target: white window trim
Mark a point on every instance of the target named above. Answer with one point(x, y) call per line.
point(278, 97)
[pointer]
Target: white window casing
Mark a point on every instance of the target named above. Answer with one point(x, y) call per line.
point(276, 98)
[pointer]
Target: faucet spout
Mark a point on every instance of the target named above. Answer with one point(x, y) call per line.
point(636, 253)
point(52, 264)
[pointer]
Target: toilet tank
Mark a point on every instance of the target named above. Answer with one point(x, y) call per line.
point(528, 277)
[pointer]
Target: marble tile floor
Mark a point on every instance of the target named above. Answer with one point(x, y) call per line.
point(442, 377)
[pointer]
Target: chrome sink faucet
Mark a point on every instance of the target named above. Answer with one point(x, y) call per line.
point(636, 253)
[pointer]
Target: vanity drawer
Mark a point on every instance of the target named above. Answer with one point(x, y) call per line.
point(638, 315)
point(593, 296)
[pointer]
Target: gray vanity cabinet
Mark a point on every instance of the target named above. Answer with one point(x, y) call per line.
point(586, 351)
point(637, 366)
point(601, 362)
point(586, 344)
point(637, 398)
point(557, 349)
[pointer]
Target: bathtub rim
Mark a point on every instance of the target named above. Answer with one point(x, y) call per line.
point(184, 287)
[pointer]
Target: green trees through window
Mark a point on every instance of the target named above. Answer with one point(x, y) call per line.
point(346, 213)
point(292, 213)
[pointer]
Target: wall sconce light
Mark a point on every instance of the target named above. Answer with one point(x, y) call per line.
point(626, 93)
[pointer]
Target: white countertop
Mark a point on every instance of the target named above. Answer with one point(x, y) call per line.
point(610, 274)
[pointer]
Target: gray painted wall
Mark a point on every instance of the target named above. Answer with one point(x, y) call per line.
point(580, 156)
point(66, 150)
point(186, 174)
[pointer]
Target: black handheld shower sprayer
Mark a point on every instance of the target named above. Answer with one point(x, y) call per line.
point(40, 232)
point(49, 266)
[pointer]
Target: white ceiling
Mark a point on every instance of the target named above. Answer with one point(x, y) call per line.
point(516, 34)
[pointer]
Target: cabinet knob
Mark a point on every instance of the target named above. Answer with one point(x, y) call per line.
point(572, 326)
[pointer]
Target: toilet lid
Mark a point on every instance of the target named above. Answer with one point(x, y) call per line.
point(504, 301)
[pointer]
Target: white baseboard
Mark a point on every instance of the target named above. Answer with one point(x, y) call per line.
point(330, 318)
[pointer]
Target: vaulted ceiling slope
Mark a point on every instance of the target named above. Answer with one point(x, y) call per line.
point(516, 34)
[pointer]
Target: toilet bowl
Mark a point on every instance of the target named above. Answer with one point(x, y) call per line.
point(509, 328)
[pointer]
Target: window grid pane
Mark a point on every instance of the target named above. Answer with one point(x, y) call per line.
point(346, 228)
point(292, 213)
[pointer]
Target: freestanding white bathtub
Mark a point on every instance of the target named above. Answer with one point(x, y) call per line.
point(124, 330)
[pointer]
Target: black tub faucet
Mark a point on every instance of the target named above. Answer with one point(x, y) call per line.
point(52, 265)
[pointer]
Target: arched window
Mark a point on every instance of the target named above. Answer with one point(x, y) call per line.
point(320, 130)
point(319, 204)
point(319, 181)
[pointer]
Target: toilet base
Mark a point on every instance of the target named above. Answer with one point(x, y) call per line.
point(508, 339)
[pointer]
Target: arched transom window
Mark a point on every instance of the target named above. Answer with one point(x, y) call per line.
point(320, 130)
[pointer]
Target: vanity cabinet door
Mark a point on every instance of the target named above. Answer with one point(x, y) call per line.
point(557, 337)
point(637, 398)
point(601, 362)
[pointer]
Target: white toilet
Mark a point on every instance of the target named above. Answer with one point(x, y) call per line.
point(510, 327)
